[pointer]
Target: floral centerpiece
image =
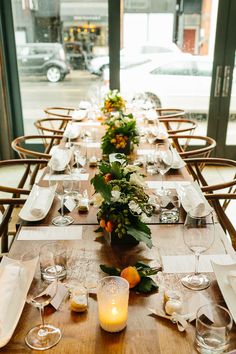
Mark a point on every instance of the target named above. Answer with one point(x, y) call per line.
point(121, 134)
point(113, 102)
point(123, 204)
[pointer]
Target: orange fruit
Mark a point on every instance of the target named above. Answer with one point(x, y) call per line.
point(131, 275)
point(109, 227)
point(107, 177)
point(102, 223)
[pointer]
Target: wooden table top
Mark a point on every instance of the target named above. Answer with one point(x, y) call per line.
point(144, 333)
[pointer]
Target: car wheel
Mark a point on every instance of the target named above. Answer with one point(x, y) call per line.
point(53, 74)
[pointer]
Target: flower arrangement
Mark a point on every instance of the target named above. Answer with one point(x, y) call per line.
point(121, 135)
point(124, 206)
point(113, 102)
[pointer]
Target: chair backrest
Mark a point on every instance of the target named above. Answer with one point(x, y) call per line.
point(14, 193)
point(52, 125)
point(20, 145)
point(218, 201)
point(170, 113)
point(179, 125)
point(185, 145)
point(62, 112)
point(198, 169)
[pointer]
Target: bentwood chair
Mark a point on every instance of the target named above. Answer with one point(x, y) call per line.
point(170, 113)
point(55, 126)
point(186, 145)
point(213, 174)
point(14, 194)
point(218, 201)
point(22, 145)
point(179, 125)
point(62, 112)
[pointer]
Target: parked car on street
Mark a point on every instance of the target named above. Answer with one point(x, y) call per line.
point(43, 59)
point(174, 81)
point(133, 56)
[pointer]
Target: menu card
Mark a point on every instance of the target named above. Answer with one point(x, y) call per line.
point(73, 232)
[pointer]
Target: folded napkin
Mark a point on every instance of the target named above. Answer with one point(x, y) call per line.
point(151, 114)
point(39, 205)
point(191, 197)
point(60, 158)
point(178, 162)
point(79, 114)
point(72, 131)
point(9, 280)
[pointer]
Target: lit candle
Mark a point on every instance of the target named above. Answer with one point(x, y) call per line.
point(113, 296)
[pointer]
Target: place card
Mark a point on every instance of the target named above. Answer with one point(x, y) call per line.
point(60, 177)
point(166, 184)
point(50, 233)
point(186, 263)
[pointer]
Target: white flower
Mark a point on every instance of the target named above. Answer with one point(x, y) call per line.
point(137, 180)
point(131, 169)
point(144, 218)
point(134, 207)
point(98, 200)
point(117, 124)
point(115, 195)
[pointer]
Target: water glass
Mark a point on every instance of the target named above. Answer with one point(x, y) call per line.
point(213, 325)
point(169, 213)
point(58, 252)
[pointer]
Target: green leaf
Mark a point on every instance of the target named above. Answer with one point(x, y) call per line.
point(110, 270)
point(102, 187)
point(100, 229)
point(139, 235)
point(146, 285)
point(142, 265)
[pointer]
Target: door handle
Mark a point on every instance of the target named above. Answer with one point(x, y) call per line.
point(227, 72)
point(217, 90)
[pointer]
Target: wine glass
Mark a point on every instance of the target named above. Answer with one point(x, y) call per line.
point(163, 162)
point(80, 153)
point(199, 234)
point(40, 294)
point(61, 188)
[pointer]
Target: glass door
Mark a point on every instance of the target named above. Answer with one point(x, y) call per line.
point(222, 114)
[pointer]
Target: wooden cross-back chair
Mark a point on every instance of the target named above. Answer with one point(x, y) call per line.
point(49, 125)
point(185, 145)
point(62, 112)
point(179, 125)
point(218, 201)
point(14, 195)
point(199, 169)
point(20, 145)
point(170, 113)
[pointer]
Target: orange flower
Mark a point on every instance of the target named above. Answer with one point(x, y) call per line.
point(109, 227)
point(131, 275)
point(108, 177)
point(102, 223)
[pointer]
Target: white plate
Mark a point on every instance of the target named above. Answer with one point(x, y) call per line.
point(25, 213)
point(221, 273)
point(17, 305)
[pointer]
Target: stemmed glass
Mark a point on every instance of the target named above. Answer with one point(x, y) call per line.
point(80, 153)
point(61, 188)
point(199, 234)
point(163, 162)
point(40, 294)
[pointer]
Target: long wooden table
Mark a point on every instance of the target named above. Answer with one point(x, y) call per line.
point(144, 333)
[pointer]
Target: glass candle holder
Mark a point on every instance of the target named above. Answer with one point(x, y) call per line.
point(113, 297)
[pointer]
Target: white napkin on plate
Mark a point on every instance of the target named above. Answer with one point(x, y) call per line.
point(39, 205)
point(9, 280)
point(191, 197)
point(72, 131)
point(79, 114)
point(60, 158)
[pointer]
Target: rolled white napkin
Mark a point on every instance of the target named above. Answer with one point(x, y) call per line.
point(39, 205)
point(60, 159)
point(9, 282)
point(72, 131)
point(191, 197)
